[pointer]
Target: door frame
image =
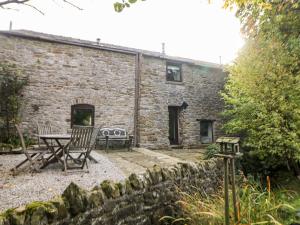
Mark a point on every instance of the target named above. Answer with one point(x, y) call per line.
point(176, 111)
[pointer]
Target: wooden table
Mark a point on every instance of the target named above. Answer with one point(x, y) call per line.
point(57, 150)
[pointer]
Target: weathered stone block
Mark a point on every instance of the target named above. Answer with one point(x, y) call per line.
point(75, 198)
point(110, 189)
point(148, 198)
point(59, 204)
point(135, 182)
point(14, 216)
point(155, 174)
point(166, 175)
point(4, 220)
point(121, 213)
point(147, 181)
point(128, 187)
point(40, 213)
point(95, 198)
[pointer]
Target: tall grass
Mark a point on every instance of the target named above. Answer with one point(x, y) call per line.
point(258, 205)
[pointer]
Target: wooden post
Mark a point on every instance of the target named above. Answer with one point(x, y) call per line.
point(106, 143)
point(229, 156)
point(130, 143)
point(226, 190)
point(226, 184)
point(234, 199)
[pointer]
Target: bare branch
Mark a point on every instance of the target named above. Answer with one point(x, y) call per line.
point(9, 8)
point(25, 2)
point(32, 6)
point(72, 4)
point(13, 1)
point(55, 2)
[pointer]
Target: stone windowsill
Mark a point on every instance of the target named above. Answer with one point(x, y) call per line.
point(175, 82)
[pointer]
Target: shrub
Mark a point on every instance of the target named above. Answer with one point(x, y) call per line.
point(16, 142)
point(211, 150)
point(11, 86)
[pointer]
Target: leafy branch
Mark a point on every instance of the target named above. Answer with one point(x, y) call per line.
point(119, 6)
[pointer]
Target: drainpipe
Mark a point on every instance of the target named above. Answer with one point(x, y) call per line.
point(137, 98)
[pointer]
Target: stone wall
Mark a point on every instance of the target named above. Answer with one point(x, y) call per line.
point(153, 115)
point(137, 201)
point(200, 88)
point(62, 75)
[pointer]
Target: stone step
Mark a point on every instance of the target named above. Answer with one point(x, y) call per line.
point(159, 156)
point(176, 146)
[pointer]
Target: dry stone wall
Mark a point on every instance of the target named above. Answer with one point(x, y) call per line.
point(137, 201)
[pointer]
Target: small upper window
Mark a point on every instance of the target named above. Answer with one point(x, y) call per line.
point(82, 115)
point(174, 72)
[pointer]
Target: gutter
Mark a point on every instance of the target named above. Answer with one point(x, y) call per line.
point(137, 98)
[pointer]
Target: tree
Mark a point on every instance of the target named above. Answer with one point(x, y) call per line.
point(262, 95)
point(119, 6)
point(11, 86)
point(5, 4)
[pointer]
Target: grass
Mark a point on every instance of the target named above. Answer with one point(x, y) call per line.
point(286, 181)
point(259, 204)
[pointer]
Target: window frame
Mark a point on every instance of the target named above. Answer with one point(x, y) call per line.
point(177, 64)
point(82, 107)
point(212, 130)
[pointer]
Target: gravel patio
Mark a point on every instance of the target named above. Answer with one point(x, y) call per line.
point(51, 181)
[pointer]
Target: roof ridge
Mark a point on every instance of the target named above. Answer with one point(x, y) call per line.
point(76, 41)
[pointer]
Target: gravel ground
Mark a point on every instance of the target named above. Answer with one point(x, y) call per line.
point(26, 187)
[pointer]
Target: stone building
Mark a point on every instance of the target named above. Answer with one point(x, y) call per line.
point(161, 100)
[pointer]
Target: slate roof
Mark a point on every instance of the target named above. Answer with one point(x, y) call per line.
point(103, 46)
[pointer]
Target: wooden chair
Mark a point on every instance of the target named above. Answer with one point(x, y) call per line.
point(33, 157)
point(78, 149)
point(43, 129)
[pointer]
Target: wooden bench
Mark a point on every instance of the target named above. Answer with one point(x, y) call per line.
point(115, 134)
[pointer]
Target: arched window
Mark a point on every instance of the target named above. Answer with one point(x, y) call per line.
point(82, 115)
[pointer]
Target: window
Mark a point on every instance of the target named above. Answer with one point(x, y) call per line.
point(82, 115)
point(174, 72)
point(206, 131)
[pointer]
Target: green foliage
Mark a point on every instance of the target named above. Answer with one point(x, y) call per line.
point(262, 4)
point(82, 117)
point(11, 86)
point(15, 141)
point(119, 6)
point(6, 147)
point(258, 205)
point(262, 94)
point(211, 150)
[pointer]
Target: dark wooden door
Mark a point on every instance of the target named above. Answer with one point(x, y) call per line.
point(173, 125)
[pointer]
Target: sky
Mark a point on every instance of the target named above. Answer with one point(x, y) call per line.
point(192, 28)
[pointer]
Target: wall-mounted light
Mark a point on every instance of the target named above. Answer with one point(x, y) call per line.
point(184, 105)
